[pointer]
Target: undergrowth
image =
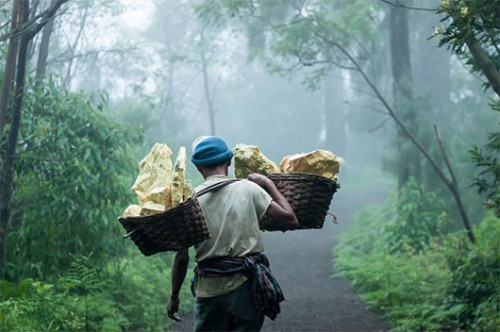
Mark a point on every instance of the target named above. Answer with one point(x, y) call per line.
point(439, 283)
point(129, 294)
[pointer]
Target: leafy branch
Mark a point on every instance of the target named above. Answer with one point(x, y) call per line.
point(450, 183)
point(34, 24)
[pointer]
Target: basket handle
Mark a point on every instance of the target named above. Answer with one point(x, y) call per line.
point(216, 186)
point(334, 218)
point(130, 233)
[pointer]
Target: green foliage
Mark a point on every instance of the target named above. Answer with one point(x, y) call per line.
point(72, 180)
point(420, 218)
point(467, 23)
point(74, 303)
point(465, 19)
point(401, 285)
point(447, 285)
point(488, 179)
point(216, 13)
point(140, 287)
point(301, 35)
point(473, 282)
point(66, 268)
point(129, 294)
point(318, 35)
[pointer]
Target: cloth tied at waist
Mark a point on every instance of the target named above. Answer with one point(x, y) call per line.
point(267, 293)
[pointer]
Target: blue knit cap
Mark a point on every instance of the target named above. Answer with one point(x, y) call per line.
point(210, 150)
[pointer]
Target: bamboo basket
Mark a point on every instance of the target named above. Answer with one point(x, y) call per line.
point(309, 195)
point(173, 230)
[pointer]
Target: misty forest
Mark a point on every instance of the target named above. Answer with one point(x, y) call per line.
point(405, 92)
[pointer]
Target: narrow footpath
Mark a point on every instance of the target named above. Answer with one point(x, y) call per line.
point(302, 263)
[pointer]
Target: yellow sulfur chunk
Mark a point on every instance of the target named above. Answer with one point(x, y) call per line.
point(152, 208)
point(187, 189)
point(132, 211)
point(249, 159)
point(319, 162)
point(180, 188)
point(152, 186)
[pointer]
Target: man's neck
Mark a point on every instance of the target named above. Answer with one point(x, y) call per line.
point(222, 170)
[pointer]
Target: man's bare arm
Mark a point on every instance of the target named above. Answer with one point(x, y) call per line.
point(280, 209)
point(179, 270)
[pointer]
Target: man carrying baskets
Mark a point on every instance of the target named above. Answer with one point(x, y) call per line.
point(233, 285)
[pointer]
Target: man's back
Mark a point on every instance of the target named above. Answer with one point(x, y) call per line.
point(232, 214)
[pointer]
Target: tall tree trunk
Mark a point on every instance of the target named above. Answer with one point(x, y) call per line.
point(206, 85)
point(7, 174)
point(43, 51)
point(431, 77)
point(10, 65)
point(168, 116)
point(33, 12)
point(408, 157)
point(334, 111)
point(73, 47)
point(482, 60)
point(432, 83)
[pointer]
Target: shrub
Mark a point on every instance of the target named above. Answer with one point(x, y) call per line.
point(420, 218)
point(474, 282)
point(400, 285)
point(76, 302)
point(140, 286)
point(446, 285)
point(72, 180)
point(129, 295)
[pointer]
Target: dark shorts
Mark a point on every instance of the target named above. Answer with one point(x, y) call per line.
point(233, 311)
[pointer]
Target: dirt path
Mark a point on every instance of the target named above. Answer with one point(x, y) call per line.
point(302, 263)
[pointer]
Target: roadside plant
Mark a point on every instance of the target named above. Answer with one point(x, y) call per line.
point(447, 285)
point(487, 181)
point(420, 218)
point(72, 181)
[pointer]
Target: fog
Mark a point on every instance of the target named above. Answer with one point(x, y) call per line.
point(183, 77)
point(89, 86)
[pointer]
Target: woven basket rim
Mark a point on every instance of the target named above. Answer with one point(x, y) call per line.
point(301, 175)
point(179, 209)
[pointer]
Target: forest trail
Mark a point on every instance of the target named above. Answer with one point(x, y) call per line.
point(302, 263)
